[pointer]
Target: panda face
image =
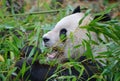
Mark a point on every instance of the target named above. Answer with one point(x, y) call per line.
point(62, 30)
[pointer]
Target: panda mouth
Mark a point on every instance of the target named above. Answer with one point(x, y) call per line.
point(52, 55)
point(56, 53)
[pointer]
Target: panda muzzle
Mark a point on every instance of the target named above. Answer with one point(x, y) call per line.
point(56, 53)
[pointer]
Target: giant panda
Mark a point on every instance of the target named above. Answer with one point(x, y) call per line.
point(59, 38)
point(67, 34)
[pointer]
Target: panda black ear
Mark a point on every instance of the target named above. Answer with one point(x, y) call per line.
point(105, 17)
point(76, 10)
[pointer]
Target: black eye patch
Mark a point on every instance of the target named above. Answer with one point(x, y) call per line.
point(63, 34)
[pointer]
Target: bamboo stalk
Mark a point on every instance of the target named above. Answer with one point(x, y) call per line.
point(36, 13)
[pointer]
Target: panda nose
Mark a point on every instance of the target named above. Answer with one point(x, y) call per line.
point(46, 39)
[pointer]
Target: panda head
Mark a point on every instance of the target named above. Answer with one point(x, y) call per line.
point(68, 28)
point(60, 33)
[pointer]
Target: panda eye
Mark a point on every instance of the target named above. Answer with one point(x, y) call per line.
point(63, 34)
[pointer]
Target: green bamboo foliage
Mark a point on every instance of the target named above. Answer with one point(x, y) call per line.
point(17, 30)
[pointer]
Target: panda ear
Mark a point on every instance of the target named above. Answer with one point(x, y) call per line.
point(105, 17)
point(76, 10)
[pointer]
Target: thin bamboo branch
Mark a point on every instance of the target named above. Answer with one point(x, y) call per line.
point(36, 13)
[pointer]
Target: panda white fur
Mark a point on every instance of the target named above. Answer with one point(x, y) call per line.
point(70, 28)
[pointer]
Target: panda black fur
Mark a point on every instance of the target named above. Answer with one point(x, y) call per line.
point(41, 72)
point(26, 50)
